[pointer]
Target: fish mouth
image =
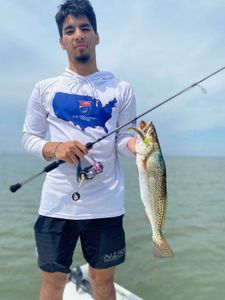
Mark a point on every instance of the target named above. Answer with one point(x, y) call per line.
point(140, 132)
point(145, 126)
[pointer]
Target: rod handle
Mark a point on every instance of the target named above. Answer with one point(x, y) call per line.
point(53, 165)
point(13, 188)
point(56, 163)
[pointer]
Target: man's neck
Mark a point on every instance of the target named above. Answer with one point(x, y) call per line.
point(83, 69)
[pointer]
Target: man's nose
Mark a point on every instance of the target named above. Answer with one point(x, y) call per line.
point(79, 36)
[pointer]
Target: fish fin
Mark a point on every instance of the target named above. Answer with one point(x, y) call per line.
point(162, 249)
point(137, 172)
point(147, 218)
point(164, 214)
point(144, 164)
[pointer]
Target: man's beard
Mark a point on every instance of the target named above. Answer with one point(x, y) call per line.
point(82, 58)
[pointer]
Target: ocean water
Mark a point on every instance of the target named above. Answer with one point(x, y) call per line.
point(195, 229)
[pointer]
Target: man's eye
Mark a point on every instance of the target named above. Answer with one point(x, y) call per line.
point(85, 29)
point(69, 32)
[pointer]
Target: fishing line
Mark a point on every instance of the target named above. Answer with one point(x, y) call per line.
point(13, 188)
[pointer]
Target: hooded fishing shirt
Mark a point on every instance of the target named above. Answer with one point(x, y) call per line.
point(73, 107)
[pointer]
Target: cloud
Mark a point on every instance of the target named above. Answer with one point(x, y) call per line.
point(159, 46)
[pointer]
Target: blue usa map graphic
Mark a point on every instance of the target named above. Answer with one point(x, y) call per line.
point(83, 111)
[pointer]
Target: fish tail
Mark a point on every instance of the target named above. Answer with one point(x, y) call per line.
point(162, 249)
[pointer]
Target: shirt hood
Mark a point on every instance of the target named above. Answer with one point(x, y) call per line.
point(88, 84)
point(99, 76)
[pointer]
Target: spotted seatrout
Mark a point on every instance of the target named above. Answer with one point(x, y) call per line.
point(152, 181)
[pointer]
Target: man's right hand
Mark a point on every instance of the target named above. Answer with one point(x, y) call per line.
point(66, 151)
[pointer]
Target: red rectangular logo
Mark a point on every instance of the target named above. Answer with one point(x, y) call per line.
point(85, 103)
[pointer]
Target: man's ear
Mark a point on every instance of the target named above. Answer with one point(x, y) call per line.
point(97, 41)
point(61, 44)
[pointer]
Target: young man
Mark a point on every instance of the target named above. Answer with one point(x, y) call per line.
point(75, 108)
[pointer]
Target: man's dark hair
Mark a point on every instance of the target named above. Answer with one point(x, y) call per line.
point(76, 8)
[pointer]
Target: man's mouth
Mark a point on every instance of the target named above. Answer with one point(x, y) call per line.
point(80, 46)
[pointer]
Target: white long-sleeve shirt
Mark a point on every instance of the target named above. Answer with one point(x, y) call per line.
point(73, 107)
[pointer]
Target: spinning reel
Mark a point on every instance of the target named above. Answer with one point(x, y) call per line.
point(87, 173)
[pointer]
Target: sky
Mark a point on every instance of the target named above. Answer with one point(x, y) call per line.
point(159, 46)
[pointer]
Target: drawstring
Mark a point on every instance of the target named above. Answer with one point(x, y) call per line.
point(79, 81)
point(92, 87)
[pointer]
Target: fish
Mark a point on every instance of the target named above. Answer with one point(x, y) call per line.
point(153, 184)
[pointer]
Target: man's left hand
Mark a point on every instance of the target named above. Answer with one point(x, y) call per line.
point(131, 145)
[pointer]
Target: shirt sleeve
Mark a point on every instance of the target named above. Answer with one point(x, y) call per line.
point(126, 114)
point(35, 124)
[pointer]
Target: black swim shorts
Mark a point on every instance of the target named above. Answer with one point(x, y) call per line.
point(102, 241)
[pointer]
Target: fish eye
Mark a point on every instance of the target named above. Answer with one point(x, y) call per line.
point(151, 133)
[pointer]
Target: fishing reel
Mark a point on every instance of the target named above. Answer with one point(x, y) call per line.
point(87, 173)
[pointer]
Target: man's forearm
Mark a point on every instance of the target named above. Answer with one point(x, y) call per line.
point(49, 149)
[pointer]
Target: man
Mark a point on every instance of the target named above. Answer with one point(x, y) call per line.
point(75, 108)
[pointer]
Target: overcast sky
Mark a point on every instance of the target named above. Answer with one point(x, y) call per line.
point(159, 46)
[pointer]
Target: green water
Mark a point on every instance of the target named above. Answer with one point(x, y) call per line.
point(194, 227)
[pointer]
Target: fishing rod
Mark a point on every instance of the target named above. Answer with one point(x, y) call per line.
point(13, 188)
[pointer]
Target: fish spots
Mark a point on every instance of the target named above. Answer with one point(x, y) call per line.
point(153, 185)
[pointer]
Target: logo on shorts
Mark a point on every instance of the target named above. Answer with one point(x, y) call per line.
point(114, 255)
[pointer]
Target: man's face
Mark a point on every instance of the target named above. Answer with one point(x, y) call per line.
point(79, 39)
